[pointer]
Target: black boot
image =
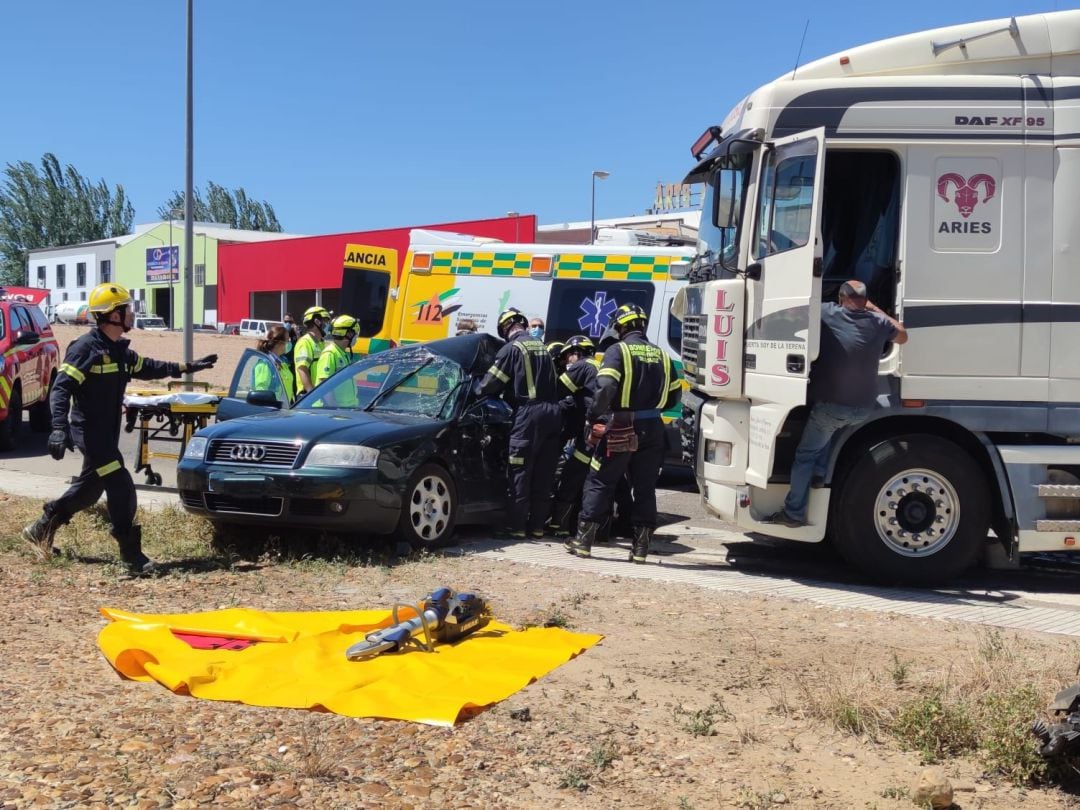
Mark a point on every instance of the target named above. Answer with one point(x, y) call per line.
point(138, 564)
point(640, 548)
point(39, 534)
point(559, 523)
point(581, 545)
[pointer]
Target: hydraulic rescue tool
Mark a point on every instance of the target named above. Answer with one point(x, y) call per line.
point(443, 617)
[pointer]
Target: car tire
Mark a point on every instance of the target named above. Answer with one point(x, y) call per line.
point(429, 508)
point(9, 428)
point(913, 510)
point(41, 413)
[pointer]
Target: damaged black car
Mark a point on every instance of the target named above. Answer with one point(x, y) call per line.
point(395, 443)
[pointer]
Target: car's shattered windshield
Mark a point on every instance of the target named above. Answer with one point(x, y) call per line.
point(411, 381)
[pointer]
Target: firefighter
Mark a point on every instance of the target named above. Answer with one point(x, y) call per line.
point(95, 371)
point(309, 347)
point(636, 382)
point(336, 355)
point(524, 374)
point(578, 386)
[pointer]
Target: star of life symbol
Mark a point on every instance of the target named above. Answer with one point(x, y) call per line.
point(597, 312)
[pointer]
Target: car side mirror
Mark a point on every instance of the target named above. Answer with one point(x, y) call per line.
point(26, 338)
point(266, 399)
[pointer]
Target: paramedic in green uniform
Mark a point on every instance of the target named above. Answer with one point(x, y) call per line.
point(309, 347)
point(274, 346)
point(336, 355)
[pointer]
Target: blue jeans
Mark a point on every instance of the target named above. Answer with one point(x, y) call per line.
point(812, 454)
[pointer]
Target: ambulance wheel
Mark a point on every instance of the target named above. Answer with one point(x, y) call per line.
point(9, 428)
point(913, 510)
point(41, 414)
point(429, 508)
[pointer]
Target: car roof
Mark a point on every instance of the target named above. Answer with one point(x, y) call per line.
point(475, 353)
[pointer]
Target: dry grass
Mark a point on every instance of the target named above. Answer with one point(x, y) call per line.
point(982, 704)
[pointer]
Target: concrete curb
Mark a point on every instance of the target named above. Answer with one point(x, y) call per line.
point(44, 487)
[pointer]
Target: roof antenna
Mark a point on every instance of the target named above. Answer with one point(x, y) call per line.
point(801, 43)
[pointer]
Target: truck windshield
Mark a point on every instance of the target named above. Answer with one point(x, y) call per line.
point(722, 213)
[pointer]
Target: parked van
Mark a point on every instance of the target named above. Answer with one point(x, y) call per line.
point(151, 323)
point(250, 327)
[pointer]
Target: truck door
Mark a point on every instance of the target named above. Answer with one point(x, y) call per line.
point(783, 289)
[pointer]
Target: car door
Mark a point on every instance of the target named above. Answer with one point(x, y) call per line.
point(482, 440)
point(254, 373)
point(784, 293)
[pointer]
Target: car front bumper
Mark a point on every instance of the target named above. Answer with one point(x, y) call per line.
point(338, 500)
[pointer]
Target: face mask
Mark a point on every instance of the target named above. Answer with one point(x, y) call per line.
point(288, 346)
point(536, 332)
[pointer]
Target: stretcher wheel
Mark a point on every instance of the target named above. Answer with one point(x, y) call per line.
point(153, 479)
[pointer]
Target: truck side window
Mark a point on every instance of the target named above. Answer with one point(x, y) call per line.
point(786, 201)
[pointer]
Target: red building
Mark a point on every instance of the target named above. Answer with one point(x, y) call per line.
point(267, 279)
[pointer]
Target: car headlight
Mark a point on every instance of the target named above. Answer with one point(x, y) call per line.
point(342, 455)
point(196, 448)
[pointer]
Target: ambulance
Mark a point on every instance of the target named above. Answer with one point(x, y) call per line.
point(368, 281)
point(453, 278)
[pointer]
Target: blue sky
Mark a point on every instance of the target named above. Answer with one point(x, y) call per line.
point(348, 115)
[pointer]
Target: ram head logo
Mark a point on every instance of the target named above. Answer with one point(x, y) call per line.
point(967, 191)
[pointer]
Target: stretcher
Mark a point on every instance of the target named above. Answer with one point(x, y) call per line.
point(169, 419)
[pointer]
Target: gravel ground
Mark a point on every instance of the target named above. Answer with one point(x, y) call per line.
point(692, 700)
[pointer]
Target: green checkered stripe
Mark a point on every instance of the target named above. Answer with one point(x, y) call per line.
point(567, 265)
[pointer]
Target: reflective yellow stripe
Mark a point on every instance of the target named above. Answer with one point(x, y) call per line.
point(73, 372)
point(667, 382)
point(595, 463)
point(104, 470)
point(108, 368)
point(5, 386)
point(628, 374)
point(594, 362)
point(614, 373)
point(517, 459)
point(138, 364)
point(582, 457)
point(565, 380)
point(530, 385)
point(496, 372)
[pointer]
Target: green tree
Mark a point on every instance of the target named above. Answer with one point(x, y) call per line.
point(51, 206)
point(228, 207)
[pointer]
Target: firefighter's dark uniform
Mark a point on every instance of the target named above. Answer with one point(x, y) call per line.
point(578, 385)
point(95, 373)
point(524, 374)
point(635, 384)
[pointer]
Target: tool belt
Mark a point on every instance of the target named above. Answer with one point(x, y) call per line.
point(620, 434)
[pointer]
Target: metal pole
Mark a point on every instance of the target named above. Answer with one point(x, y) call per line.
point(189, 210)
point(172, 308)
point(592, 218)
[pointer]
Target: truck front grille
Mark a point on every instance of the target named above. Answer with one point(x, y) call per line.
point(693, 348)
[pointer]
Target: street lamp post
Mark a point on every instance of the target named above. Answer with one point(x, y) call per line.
point(598, 174)
point(173, 213)
point(517, 222)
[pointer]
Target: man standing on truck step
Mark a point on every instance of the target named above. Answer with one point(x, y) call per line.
point(577, 385)
point(95, 372)
point(635, 384)
point(525, 375)
point(308, 348)
point(843, 387)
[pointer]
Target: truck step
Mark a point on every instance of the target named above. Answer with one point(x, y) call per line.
point(1057, 525)
point(1059, 490)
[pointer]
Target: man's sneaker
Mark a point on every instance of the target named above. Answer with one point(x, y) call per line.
point(782, 518)
point(39, 536)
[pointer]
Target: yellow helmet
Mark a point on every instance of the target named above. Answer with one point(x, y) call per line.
point(104, 298)
point(342, 325)
point(311, 313)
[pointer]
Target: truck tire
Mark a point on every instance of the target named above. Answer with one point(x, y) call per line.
point(40, 413)
point(9, 428)
point(912, 510)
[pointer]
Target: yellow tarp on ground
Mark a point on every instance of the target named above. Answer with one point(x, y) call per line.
point(297, 660)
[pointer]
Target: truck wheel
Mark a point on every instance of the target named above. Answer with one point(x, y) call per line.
point(40, 413)
point(9, 428)
point(913, 510)
point(429, 508)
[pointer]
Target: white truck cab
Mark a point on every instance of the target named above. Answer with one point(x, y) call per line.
point(943, 170)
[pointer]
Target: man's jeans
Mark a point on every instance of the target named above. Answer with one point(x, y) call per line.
point(812, 455)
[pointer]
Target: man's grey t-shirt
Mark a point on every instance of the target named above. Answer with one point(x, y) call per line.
point(852, 341)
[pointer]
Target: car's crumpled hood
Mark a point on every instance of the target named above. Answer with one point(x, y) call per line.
point(329, 425)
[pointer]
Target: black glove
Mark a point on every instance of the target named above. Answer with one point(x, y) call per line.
point(202, 363)
point(59, 440)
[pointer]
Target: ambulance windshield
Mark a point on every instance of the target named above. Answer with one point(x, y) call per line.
point(363, 295)
point(722, 213)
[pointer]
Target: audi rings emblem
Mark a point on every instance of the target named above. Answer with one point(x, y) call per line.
point(247, 452)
